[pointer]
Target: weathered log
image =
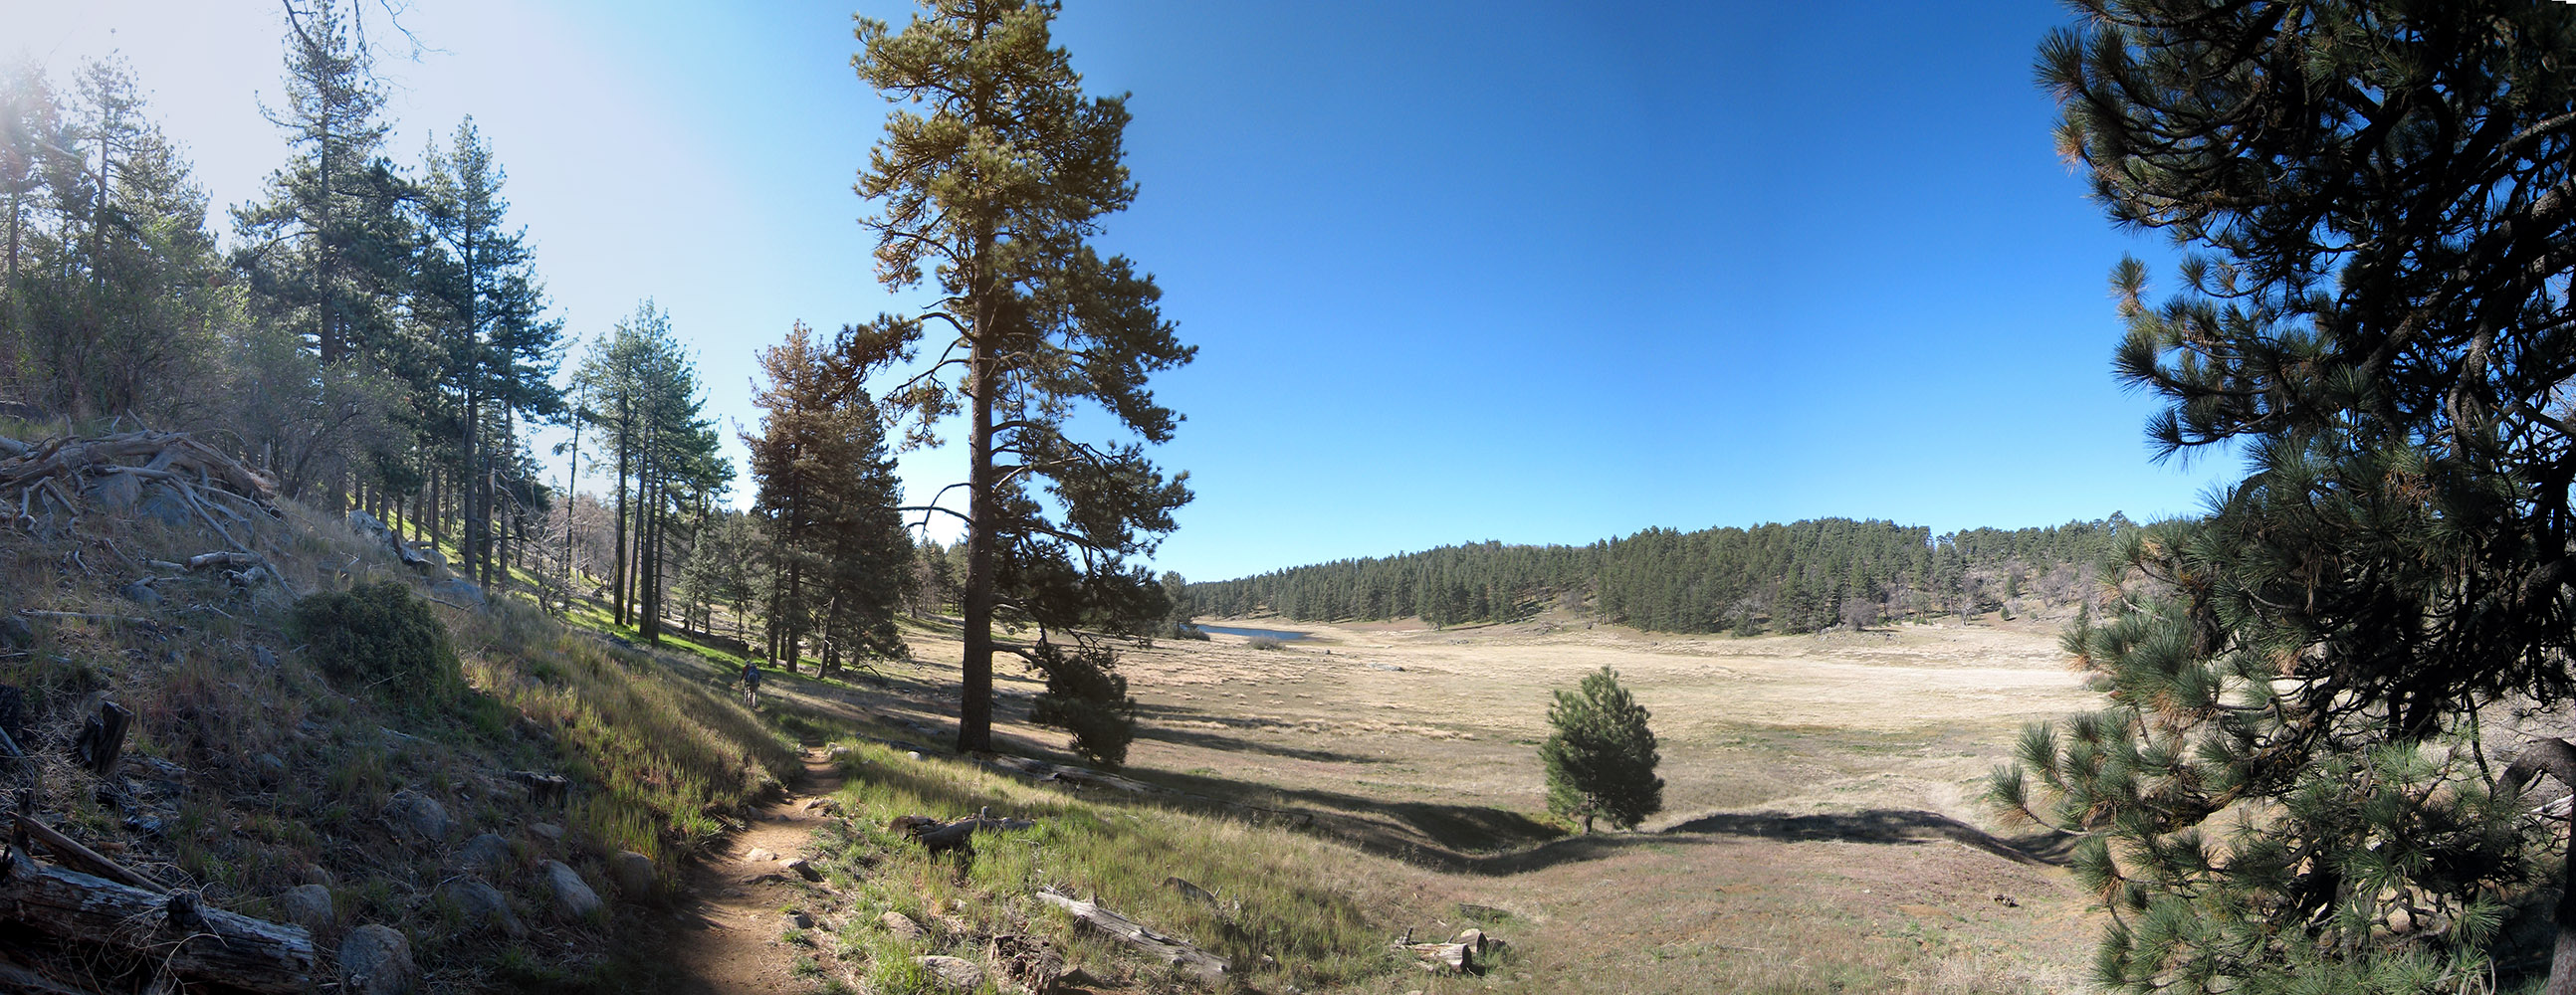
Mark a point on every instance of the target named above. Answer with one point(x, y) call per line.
point(16, 977)
point(226, 558)
point(2556, 758)
point(1207, 967)
point(181, 937)
point(1458, 958)
point(70, 851)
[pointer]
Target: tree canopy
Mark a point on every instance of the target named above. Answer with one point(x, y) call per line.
point(2379, 215)
point(991, 181)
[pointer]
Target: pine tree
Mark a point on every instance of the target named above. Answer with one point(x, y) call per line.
point(828, 491)
point(1601, 758)
point(993, 176)
point(2380, 200)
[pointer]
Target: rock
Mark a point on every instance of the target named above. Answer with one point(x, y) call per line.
point(263, 656)
point(309, 906)
point(804, 869)
point(458, 590)
point(165, 505)
point(955, 972)
point(116, 491)
point(756, 855)
point(141, 593)
point(634, 873)
point(486, 854)
point(375, 960)
point(798, 919)
point(417, 815)
point(15, 633)
point(317, 874)
point(272, 768)
point(900, 925)
point(573, 897)
point(547, 830)
point(366, 524)
point(481, 906)
point(914, 754)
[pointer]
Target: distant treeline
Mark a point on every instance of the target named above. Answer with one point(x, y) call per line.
point(1800, 577)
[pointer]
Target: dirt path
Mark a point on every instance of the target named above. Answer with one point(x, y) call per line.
point(730, 918)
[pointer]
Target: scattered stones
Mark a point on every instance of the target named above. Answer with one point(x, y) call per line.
point(486, 854)
point(309, 906)
point(376, 960)
point(955, 972)
point(573, 897)
point(900, 925)
point(414, 814)
point(481, 906)
point(634, 874)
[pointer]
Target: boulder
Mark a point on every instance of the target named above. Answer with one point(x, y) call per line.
point(141, 593)
point(481, 906)
point(955, 972)
point(15, 633)
point(309, 906)
point(547, 831)
point(634, 874)
point(573, 897)
point(376, 960)
point(458, 590)
point(486, 854)
point(900, 925)
point(165, 505)
point(416, 815)
point(116, 491)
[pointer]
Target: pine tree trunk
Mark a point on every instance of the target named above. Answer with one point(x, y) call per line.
point(617, 579)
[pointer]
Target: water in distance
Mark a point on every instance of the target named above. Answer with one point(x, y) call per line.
point(1281, 635)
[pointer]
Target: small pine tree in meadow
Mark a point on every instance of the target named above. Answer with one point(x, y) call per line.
point(1085, 696)
point(1601, 758)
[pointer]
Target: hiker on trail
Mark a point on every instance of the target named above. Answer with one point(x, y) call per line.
point(751, 683)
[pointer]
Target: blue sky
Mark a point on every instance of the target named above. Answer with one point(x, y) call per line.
point(1526, 271)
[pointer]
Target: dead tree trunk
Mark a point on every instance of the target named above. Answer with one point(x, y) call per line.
point(170, 931)
point(1208, 967)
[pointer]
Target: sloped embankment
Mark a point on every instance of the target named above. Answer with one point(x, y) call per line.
point(499, 830)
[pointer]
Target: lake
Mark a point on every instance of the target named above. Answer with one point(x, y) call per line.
point(1278, 634)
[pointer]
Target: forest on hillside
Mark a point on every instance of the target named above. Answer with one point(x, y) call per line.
point(1800, 577)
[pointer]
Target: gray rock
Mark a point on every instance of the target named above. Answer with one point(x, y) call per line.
point(263, 656)
point(486, 854)
point(309, 906)
point(366, 524)
point(458, 590)
point(417, 815)
point(900, 925)
point(142, 594)
point(798, 919)
point(376, 960)
point(482, 907)
point(116, 491)
point(955, 972)
point(573, 897)
point(272, 768)
point(164, 505)
point(634, 874)
point(547, 830)
point(804, 869)
point(15, 633)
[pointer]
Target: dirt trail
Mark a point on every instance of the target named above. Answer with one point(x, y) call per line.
point(730, 918)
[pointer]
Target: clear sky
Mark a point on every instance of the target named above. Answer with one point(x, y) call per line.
point(1528, 271)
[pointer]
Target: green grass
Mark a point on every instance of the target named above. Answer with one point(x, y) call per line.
point(1281, 895)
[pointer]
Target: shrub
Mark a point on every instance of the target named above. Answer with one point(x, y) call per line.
point(1601, 758)
point(1086, 696)
point(1263, 642)
point(379, 634)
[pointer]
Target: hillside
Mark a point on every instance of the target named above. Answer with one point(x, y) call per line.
point(1801, 577)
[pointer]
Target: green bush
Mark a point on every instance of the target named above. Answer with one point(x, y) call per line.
point(1086, 696)
point(379, 635)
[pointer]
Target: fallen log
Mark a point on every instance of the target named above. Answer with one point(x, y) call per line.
point(70, 851)
point(1458, 958)
point(941, 837)
point(1207, 967)
point(171, 931)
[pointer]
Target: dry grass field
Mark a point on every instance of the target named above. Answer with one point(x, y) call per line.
point(1820, 830)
